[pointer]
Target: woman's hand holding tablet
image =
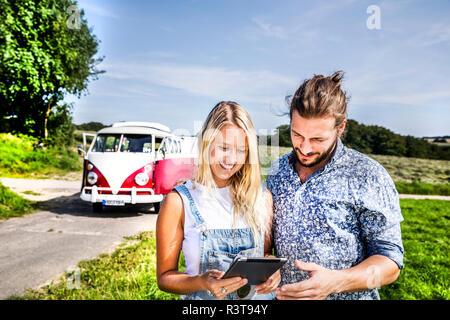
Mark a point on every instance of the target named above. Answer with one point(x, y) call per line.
point(256, 270)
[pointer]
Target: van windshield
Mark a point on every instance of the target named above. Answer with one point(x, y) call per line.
point(136, 143)
point(126, 143)
point(106, 143)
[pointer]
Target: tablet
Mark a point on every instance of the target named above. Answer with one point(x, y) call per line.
point(256, 270)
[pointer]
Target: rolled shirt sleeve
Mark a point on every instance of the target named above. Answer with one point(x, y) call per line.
point(380, 217)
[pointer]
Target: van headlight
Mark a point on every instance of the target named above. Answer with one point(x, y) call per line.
point(141, 179)
point(92, 177)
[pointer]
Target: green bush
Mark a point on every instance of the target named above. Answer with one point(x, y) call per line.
point(18, 156)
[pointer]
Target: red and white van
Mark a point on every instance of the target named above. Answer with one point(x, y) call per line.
point(135, 162)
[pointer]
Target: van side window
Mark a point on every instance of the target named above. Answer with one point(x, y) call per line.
point(147, 147)
point(163, 146)
point(158, 142)
point(169, 145)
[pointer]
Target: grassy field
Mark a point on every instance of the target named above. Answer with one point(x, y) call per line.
point(129, 273)
point(18, 158)
point(414, 169)
point(425, 237)
point(13, 205)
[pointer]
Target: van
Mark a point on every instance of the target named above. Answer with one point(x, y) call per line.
point(135, 163)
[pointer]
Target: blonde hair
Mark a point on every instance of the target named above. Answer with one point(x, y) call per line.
point(246, 184)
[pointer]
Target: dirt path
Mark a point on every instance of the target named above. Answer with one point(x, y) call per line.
point(42, 189)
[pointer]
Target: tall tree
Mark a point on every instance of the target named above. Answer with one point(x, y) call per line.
point(47, 51)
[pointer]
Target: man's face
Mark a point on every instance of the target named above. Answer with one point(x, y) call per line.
point(314, 139)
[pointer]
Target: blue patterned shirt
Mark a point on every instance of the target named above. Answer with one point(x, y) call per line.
point(342, 214)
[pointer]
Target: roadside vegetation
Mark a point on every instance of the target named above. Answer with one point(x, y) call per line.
point(130, 272)
point(20, 157)
point(13, 205)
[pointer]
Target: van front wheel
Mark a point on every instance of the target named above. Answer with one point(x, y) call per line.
point(157, 206)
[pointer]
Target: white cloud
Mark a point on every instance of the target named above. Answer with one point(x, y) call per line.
point(268, 30)
point(301, 26)
point(254, 86)
point(435, 34)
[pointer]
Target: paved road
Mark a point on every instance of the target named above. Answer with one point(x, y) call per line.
point(39, 247)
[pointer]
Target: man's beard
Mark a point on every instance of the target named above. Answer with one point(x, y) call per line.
point(324, 156)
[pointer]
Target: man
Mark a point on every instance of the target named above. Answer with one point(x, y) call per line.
point(336, 211)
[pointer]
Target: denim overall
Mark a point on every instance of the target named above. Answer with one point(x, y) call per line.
point(219, 247)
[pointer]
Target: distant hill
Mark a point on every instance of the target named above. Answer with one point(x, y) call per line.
point(443, 139)
point(379, 140)
point(440, 137)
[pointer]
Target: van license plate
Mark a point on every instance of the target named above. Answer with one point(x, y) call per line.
point(113, 202)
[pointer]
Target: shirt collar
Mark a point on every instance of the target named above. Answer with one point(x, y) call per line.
point(338, 153)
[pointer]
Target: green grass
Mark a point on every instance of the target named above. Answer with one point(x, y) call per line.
point(19, 159)
point(31, 192)
point(417, 187)
point(130, 272)
point(13, 205)
point(426, 241)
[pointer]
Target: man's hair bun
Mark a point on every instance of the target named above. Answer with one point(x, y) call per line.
point(337, 77)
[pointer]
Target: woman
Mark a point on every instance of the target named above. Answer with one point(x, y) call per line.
point(222, 213)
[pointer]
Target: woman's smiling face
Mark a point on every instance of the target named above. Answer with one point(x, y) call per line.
point(228, 153)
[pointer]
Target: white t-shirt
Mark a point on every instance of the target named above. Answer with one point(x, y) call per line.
point(216, 209)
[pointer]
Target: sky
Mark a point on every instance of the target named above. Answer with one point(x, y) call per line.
point(172, 61)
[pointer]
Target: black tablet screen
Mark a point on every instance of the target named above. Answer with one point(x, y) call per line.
point(256, 270)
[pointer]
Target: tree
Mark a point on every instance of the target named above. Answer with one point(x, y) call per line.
point(42, 58)
point(60, 127)
point(357, 136)
point(283, 136)
point(91, 126)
